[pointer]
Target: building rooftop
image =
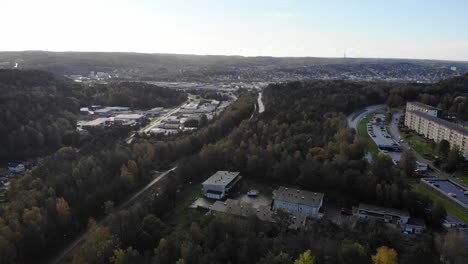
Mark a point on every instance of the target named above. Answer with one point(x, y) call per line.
point(263, 213)
point(425, 106)
point(221, 178)
point(297, 196)
point(96, 122)
point(128, 116)
point(382, 210)
point(442, 122)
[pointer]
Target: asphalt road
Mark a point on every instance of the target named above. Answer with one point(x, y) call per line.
point(355, 118)
point(73, 245)
point(261, 107)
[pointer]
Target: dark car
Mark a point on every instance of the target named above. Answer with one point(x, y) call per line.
point(346, 211)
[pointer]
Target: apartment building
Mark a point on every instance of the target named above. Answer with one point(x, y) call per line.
point(423, 108)
point(437, 129)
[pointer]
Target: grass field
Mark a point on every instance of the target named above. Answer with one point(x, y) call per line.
point(362, 131)
point(464, 179)
point(419, 145)
point(453, 209)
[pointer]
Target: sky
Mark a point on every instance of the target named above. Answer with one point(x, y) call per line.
point(420, 29)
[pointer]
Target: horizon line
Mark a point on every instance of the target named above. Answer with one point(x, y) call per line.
point(243, 56)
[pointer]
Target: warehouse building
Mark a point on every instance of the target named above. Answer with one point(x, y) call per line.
point(297, 201)
point(219, 184)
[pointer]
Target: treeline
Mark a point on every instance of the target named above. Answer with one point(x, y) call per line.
point(38, 111)
point(136, 95)
point(53, 202)
point(209, 95)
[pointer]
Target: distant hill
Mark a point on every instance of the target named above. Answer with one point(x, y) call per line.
point(174, 67)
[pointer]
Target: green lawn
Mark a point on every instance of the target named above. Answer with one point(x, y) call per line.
point(362, 131)
point(419, 145)
point(464, 179)
point(453, 209)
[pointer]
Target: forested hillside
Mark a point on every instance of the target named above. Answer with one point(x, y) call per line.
point(53, 202)
point(301, 140)
point(38, 111)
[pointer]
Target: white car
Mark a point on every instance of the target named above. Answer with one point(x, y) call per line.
point(452, 194)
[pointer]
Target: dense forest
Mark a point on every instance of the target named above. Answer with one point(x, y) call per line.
point(54, 201)
point(38, 111)
point(300, 140)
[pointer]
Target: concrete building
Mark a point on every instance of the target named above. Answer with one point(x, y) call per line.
point(244, 210)
point(297, 201)
point(438, 129)
point(155, 112)
point(219, 184)
point(415, 226)
point(388, 215)
point(15, 167)
point(423, 108)
point(124, 118)
point(98, 122)
point(172, 120)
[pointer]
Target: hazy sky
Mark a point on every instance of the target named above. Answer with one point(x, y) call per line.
point(424, 29)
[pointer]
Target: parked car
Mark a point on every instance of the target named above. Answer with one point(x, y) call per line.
point(252, 193)
point(346, 211)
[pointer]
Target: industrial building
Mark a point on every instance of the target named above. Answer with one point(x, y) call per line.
point(297, 201)
point(125, 118)
point(388, 215)
point(219, 184)
point(437, 129)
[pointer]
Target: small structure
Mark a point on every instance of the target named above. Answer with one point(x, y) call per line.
point(297, 201)
point(387, 215)
point(84, 110)
point(15, 167)
point(219, 184)
point(421, 166)
point(415, 226)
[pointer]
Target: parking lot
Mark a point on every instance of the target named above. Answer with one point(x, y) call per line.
point(449, 187)
point(384, 141)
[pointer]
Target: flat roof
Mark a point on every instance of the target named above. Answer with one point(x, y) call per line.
point(221, 178)
point(441, 122)
point(382, 210)
point(129, 116)
point(103, 110)
point(296, 196)
point(96, 122)
point(425, 106)
point(263, 213)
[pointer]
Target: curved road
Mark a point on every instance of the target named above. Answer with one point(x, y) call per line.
point(61, 257)
point(355, 118)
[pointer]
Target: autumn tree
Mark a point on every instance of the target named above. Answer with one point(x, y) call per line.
point(63, 210)
point(305, 258)
point(385, 255)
